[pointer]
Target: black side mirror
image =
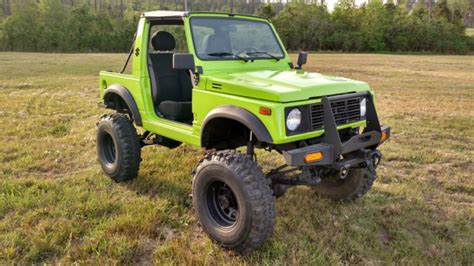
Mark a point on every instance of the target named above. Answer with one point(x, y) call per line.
point(183, 61)
point(302, 59)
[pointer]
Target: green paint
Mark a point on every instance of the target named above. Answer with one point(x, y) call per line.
point(250, 85)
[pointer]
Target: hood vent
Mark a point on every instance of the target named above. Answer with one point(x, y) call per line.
point(216, 86)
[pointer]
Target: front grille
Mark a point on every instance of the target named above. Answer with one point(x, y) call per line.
point(317, 116)
point(345, 111)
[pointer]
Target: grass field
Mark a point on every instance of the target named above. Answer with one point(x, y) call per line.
point(57, 206)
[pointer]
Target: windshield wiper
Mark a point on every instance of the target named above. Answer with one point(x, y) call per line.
point(222, 54)
point(264, 53)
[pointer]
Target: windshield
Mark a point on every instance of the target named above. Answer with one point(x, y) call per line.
point(234, 38)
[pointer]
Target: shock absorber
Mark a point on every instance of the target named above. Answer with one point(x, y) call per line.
point(250, 151)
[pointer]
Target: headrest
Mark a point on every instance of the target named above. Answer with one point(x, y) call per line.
point(216, 44)
point(163, 41)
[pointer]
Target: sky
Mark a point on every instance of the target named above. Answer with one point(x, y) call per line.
point(331, 3)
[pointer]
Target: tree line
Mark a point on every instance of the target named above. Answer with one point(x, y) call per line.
point(373, 27)
point(109, 25)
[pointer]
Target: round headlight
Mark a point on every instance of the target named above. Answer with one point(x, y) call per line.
point(363, 107)
point(293, 120)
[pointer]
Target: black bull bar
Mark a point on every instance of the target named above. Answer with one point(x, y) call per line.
point(358, 149)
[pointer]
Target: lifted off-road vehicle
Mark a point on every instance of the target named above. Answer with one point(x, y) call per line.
point(224, 81)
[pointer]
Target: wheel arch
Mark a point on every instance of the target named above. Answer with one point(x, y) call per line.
point(119, 98)
point(235, 115)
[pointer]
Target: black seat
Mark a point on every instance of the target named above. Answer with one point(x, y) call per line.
point(216, 43)
point(173, 90)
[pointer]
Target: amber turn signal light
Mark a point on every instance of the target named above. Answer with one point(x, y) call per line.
point(313, 157)
point(265, 111)
point(383, 136)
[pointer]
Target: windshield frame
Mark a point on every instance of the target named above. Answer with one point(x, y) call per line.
point(232, 58)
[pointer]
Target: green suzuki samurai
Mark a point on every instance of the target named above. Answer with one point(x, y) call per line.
point(223, 81)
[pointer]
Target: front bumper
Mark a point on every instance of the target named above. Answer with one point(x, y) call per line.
point(356, 150)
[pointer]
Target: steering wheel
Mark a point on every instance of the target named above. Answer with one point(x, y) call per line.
point(248, 49)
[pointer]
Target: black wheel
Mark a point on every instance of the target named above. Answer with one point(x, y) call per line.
point(118, 147)
point(355, 185)
point(222, 204)
point(233, 201)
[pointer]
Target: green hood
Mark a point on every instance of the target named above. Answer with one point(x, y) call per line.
point(282, 86)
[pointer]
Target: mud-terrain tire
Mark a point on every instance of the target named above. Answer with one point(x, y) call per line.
point(118, 147)
point(355, 185)
point(233, 201)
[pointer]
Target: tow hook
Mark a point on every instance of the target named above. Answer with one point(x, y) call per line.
point(372, 157)
point(376, 158)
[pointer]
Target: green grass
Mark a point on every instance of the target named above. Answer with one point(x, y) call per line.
point(56, 206)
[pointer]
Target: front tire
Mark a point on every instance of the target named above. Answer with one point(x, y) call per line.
point(233, 201)
point(355, 185)
point(118, 147)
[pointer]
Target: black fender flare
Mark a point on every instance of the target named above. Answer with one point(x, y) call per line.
point(124, 93)
point(241, 115)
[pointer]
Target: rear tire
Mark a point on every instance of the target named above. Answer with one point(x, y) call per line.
point(118, 147)
point(355, 185)
point(233, 201)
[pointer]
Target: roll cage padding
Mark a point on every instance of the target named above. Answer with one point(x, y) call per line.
point(126, 96)
point(240, 115)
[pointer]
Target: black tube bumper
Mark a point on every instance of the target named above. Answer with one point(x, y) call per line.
point(356, 150)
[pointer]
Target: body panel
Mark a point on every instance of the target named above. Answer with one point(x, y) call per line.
point(283, 85)
point(275, 123)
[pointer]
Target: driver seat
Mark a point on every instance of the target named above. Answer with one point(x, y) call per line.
point(173, 91)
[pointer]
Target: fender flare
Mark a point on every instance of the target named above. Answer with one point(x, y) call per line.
point(124, 93)
point(241, 115)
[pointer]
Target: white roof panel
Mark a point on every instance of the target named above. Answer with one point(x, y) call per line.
point(164, 13)
point(177, 14)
